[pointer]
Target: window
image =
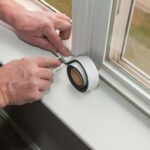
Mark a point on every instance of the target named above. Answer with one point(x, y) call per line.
point(137, 49)
point(130, 39)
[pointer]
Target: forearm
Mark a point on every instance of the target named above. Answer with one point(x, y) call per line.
point(10, 11)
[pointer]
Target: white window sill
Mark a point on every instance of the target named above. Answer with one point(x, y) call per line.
point(101, 118)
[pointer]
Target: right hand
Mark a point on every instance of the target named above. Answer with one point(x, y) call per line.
point(24, 80)
point(40, 28)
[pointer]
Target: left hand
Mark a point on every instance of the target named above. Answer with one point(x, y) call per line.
point(39, 28)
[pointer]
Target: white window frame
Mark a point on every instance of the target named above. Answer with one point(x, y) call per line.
point(120, 34)
point(92, 22)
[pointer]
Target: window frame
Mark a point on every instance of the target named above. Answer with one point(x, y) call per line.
point(118, 43)
point(92, 30)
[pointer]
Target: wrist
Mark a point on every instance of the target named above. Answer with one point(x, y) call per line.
point(4, 101)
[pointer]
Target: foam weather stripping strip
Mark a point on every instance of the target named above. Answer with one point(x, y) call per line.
point(81, 72)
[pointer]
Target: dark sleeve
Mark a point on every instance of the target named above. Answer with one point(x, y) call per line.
point(1, 64)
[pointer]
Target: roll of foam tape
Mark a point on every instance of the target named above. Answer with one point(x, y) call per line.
point(83, 74)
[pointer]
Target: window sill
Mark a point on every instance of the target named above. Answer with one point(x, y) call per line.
point(120, 81)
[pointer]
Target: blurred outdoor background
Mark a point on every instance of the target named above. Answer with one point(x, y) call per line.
point(138, 46)
point(64, 6)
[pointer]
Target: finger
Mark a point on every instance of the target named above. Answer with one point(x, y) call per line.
point(45, 73)
point(65, 52)
point(44, 85)
point(64, 17)
point(43, 43)
point(53, 37)
point(64, 28)
point(47, 62)
point(56, 41)
point(64, 35)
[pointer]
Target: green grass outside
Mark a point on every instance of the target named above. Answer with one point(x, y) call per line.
point(140, 28)
point(64, 6)
point(138, 45)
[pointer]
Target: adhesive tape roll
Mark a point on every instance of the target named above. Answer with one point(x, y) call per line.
point(83, 73)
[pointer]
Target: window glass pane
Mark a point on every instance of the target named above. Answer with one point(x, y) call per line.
point(63, 6)
point(137, 50)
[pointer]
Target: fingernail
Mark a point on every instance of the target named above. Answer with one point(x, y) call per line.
point(58, 60)
point(66, 52)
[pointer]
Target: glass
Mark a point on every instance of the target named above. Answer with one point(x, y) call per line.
point(137, 50)
point(63, 6)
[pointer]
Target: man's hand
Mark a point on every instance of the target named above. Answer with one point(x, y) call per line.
point(40, 28)
point(24, 81)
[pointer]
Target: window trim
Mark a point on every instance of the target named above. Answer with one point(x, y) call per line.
point(120, 81)
point(96, 29)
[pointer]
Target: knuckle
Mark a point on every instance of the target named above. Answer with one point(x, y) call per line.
point(34, 83)
point(47, 25)
point(54, 17)
point(32, 71)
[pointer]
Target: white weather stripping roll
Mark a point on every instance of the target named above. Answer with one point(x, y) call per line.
point(83, 74)
point(81, 71)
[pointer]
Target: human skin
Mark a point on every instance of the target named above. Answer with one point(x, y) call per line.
point(25, 80)
point(37, 27)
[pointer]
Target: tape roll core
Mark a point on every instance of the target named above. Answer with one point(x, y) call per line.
point(76, 77)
